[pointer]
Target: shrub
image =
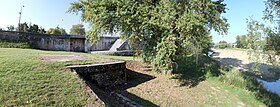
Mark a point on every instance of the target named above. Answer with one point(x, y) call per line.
point(14, 44)
point(234, 77)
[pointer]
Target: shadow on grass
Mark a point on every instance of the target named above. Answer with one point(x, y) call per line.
point(143, 102)
point(191, 73)
point(117, 96)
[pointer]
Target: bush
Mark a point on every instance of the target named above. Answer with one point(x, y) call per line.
point(14, 44)
point(234, 77)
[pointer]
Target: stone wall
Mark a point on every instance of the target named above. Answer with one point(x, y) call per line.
point(46, 41)
point(106, 74)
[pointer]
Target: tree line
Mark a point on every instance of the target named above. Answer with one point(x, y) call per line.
point(77, 29)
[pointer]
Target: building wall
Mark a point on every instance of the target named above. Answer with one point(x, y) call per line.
point(45, 41)
point(77, 45)
point(104, 43)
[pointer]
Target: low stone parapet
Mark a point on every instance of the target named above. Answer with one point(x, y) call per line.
point(105, 74)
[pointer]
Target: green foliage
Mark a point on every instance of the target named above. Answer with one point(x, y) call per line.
point(272, 13)
point(23, 27)
point(31, 28)
point(234, 77)
point(57, 30)
point(190, 73)
point(11, 28)
point(77, 29)
point(165, 53)
point(255, 36)
point(223, 45)
point(14, 44)
point(241, 41)
point(166, 28)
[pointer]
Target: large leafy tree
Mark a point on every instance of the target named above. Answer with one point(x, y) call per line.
point(166, 29)
point(77, 29)
point(272, 13)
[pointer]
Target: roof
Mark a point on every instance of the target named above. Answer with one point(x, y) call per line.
point(77, 37)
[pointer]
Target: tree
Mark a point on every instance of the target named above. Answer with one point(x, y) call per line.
point(11, 28)
point(57, 30)
point(166, 29)
point(272, 13)
point(33, 28)
point(77, 29)
point(23, 27)
point(42, 30)
point(241, 41)
point(222, 45)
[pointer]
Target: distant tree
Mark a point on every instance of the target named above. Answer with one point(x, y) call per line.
point(23, 27)
point(56, 30)
point(42, 30)
point(222, 45)
point(1, 29)
point(33, 28)
point(11, 28)
point(241, 41)
point(77, 29)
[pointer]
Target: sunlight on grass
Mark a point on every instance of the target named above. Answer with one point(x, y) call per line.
point(26, 80)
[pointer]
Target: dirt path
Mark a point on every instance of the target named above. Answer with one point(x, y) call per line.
point(233, 58)
point(240, 59)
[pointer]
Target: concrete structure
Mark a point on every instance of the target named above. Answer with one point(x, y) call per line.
point(47, 42)
point(106, 74)
point(120, 45)
point(73, 43)
point(109, 44)
point(104, 43)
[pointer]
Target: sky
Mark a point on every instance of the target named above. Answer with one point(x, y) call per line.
point(237, 13)
point(45, 13)
point(52, 13)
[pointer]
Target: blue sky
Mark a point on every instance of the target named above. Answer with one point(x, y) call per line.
point(45, 13)
point(52, 13)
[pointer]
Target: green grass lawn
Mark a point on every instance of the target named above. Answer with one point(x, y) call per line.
point(26, 80)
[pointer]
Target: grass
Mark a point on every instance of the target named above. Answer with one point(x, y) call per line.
point(26, 80)
point(237, 79)
point(186, 90)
